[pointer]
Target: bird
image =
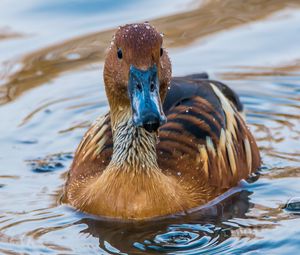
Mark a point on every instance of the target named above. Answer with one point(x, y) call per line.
point(167, 145)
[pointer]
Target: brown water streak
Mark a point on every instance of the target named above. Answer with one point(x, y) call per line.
point(181, 29)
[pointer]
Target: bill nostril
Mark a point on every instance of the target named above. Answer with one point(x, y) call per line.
point(152, 86)
point(139, 87)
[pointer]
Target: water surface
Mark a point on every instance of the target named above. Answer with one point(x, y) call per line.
point(51, 90)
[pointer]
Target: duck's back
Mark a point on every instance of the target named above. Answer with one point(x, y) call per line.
point(205, 141)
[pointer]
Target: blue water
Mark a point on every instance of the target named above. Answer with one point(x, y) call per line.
point(51, 90)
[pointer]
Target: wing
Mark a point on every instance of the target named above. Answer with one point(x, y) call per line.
point(94, 152)
point(205, 136)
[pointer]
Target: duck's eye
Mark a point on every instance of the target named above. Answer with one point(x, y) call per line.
point(120, 54)
point(161, 51)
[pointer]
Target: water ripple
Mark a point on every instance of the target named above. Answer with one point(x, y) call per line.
point(51, 91)
point(49, 163)
point(183, 238)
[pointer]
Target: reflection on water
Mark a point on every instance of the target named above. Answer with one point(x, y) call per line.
point(51, 89)
point(201, 231)
point(180, 29)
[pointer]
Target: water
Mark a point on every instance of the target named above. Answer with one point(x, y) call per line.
point(51, 89)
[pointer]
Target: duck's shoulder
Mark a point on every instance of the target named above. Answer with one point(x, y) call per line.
point(94, 152)
point(198, 108)
point(186, 87)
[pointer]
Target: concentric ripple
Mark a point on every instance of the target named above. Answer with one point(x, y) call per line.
point(183, 238)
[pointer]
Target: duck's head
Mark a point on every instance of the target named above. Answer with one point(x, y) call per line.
point(137, 74)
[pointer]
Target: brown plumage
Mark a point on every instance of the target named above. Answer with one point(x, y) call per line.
point(123, 171)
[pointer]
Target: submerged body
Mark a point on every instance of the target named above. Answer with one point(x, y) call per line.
point(126, 168)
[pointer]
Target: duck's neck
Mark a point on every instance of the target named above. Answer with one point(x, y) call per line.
point(134, 148)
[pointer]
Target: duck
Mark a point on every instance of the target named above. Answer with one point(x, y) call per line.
point(167, 145)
